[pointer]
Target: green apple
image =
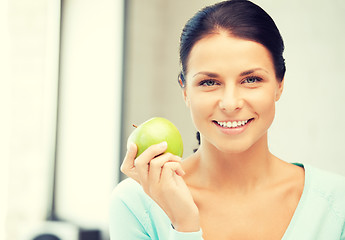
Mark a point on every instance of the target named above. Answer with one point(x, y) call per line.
point(154, 131)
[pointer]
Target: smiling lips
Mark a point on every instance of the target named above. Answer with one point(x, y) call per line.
point(233, 124)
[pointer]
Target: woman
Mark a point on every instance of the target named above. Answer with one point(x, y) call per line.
point(232, 187)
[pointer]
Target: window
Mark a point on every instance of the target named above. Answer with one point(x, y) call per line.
point(65, 95)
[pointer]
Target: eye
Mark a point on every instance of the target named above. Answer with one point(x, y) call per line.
point(208, 83)
point(252, 80)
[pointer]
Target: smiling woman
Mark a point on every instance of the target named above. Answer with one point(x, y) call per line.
point(226, 63)
point(232, 187)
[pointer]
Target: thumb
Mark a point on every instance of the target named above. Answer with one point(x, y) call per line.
point(128, 162)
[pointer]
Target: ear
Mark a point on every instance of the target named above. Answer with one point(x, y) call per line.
point(280, 89)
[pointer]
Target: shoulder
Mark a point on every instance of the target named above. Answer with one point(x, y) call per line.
point(326, 181)
point(328, 186)
point(129, 212)
point(134, 215)
point(129, 193)
point(126, 187)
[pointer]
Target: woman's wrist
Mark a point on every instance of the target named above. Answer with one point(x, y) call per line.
point(192, 227)
point(187, 224)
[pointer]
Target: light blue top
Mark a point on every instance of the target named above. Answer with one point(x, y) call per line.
point(320, 214)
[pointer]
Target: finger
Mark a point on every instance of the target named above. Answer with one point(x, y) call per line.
point(127, 166)
point(170, 170)
point(141, 163)
point(152, 152)
point(156, 165)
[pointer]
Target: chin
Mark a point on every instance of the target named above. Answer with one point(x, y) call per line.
point(241, 146)
point(234, 149)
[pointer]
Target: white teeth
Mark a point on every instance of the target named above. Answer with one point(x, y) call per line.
point(233, 124)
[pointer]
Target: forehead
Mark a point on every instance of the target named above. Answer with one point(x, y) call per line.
point(223, 52)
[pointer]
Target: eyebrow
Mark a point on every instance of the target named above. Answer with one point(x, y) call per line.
point(245, 73)
point(251, 71)
point(209, 74)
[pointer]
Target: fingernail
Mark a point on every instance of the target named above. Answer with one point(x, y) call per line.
point(164, 144)
point(180, 172)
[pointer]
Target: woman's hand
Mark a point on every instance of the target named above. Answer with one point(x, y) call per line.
point(160, 175)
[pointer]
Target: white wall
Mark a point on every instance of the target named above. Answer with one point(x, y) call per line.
point(308, 126)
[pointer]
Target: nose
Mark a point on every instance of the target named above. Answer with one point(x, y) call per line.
point(231, 99)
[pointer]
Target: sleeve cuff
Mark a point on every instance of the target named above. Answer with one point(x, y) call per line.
point(175, 235)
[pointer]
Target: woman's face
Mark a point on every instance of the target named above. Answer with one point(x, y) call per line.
point(231, 91)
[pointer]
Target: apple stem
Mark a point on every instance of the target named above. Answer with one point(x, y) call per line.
point(134, 125)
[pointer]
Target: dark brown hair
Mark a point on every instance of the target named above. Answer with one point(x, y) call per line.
point(240, 18)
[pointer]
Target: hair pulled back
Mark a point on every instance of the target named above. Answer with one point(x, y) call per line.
point(240, 18)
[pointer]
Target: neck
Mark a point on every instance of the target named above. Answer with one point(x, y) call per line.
point(242, 171)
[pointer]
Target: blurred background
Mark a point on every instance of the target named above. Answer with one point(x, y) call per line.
point(76, 74)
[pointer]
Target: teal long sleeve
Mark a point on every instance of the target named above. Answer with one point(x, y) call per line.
point(134, 216)
point(320, 214)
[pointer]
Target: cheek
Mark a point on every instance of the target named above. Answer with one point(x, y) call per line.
point(197, 107)
point(264, 106)
point(201, 107)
